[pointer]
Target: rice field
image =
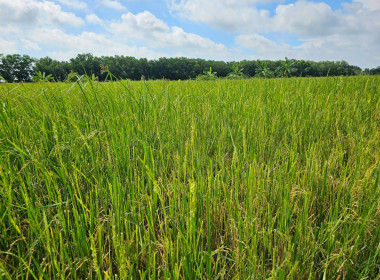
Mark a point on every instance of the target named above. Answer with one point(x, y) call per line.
point(225, 179)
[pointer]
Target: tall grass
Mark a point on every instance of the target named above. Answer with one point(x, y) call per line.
point(247, 179)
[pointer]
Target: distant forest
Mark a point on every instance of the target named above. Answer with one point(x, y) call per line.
point(17, 68)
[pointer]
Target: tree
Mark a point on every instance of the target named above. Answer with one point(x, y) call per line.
point(14, 67)
point(263, 71)
point(220, 67)
point(286, 69)
point(375, 71)
point(236, 72)
point(85, 64)
point(72, 77)
point(303, 68)
point(207, 75)
point(5, 69)
point(58, 69)
point(42, 77)
point(250, 67)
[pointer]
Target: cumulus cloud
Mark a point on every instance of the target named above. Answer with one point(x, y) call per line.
point(113, 4)
point(306, 19)
point(228, 15)
point(139, 25)
point(7, 46)
point(146, 27)
point(19, 18)
point(372, 5)
point(27, 44)
point(261, 45)
point(93, 19)
point(74, 4)
point(317, 31)
point(32, 12)
point(333, 47)
point(348, 33)
point(13, 38)
point(302, 18)
point(66, 45)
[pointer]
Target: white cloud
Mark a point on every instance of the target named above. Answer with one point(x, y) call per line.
point(113, 4)
point(334, 47)
point(372, 5)
point(146, 27)
point(302, 17)
point(227, 15)
point(350, 33)
point(67, 45)
point(306, 19)
point(10, 30)
point(32, 12)
point(93, 19)
point(20, 18)
point(7, 47)
point(260, 44)
point(75, 4)
point(13, 40)
point(139, 25)
point(27, 44)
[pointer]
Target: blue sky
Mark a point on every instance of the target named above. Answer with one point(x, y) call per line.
point(214, 29)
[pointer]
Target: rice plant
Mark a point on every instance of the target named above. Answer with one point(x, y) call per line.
point(220, 179)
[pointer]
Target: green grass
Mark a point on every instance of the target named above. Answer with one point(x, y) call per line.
point(247, 179)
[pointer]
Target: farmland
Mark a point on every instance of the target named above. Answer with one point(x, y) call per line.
point(222, 179)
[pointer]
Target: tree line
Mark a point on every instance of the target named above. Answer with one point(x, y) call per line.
point(17, 68)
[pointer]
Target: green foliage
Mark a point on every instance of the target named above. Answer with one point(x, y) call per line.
point(207, 75)
point(374, 71)
point(239, 179)
point(286, 69)
point(57, 69)
point(86, 64)
point(41, 77)
point(263, 71)
point(15, 68)
point(72, 77)
point(236, 72)
point(94, 78)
